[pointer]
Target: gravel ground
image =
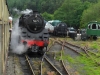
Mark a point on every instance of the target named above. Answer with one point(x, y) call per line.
point(10, 66)
point(70, 52)
point(55, 48)
point(13, 66)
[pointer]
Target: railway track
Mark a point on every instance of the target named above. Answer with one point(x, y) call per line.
point(33, 65)
point(57, 65)
point(72, 52)
point(83, 51)
point(75, 48)
point(60, 68)
point(69, 49)
point(62, 50)
point(55, 52)
point(50, 66)
point(52, 62)
point(26, 65)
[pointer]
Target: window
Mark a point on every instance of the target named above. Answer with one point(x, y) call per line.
point(98, 26)
point(93, 26)
point(89, 26)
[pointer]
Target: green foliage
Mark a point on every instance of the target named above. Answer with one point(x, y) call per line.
point(41, 5)
point(95, 46)
point(91, 14)
point(92, 1)
point(49, 5)
point(69, 58)
point(85, 66)
point(70, 12)
point(47, 16)
point(57, 55)
point(90, 66)
point(58, 58)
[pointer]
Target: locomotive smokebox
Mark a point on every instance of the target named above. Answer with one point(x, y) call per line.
point(33, 22)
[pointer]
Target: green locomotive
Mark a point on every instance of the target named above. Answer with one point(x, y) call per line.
point(92, 31)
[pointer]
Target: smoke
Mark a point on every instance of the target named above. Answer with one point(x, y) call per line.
point(16, 10)
point(27, 11)
point(16, 46)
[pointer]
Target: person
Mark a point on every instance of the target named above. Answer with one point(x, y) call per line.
point(10, 23)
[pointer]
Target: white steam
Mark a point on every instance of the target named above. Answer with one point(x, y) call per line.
point(17, 47)
point(27, 11)
point(16, 10)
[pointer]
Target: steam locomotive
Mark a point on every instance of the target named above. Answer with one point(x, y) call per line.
point(33, 32)
point(60, 29)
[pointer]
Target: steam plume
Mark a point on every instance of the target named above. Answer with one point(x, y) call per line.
point(27, 11)
point(16, 46)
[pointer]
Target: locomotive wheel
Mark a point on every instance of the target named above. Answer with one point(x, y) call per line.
point(83, 37)
point(54, 33)
point(41, 52)
point(94, 37)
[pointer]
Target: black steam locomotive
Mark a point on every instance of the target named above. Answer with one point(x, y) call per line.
point(60, 29)
point(33, 32)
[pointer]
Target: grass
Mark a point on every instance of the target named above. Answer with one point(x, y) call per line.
point(95, 57)
point(58, 57)
point(95, 45)
point(90, 66)
point(50, 43)
point(85, 66)
point(89, 43)
point(81, 63)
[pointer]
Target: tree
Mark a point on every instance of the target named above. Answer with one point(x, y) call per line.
point(47, 16)
point(70, 12)
point(41, 5)
point(49, 5)
point(91, 14)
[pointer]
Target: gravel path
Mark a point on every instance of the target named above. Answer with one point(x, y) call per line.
point(13, 65)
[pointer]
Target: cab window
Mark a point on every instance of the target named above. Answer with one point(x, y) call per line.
point(89, 26)
point(99, 26)
point(94, 26)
